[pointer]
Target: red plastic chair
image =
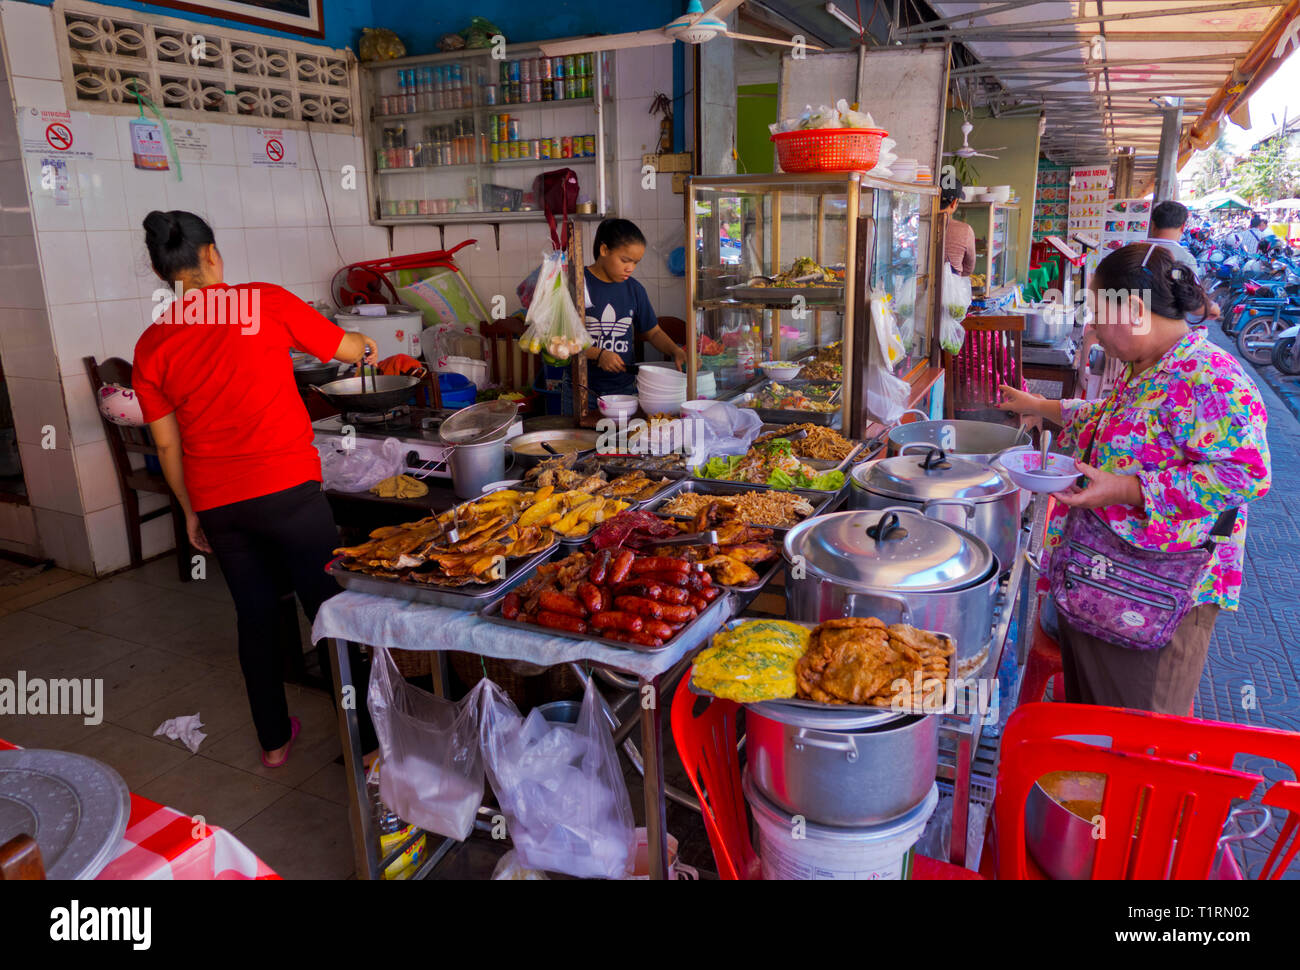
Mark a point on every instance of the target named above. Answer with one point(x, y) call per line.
point(1178, 800)
point(706, 744)
point(1284, 794)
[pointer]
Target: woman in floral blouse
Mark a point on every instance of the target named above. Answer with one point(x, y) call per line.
point(1180, 439)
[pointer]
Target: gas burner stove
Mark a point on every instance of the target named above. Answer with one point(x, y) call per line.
point(415, 427)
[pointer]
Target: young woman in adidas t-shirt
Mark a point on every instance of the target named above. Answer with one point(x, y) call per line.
point(618, 309)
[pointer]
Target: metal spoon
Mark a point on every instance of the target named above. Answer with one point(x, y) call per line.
point(1042, 469)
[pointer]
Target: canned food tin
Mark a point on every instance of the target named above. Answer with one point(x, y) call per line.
point(410, 157)
point(496, 152)
point(544, 148)
point(568, 66)
point(503, 127)
point(571, 87)
point(544, 68)
point(589, 145)
point(514, 129)
point(390, 208)
point(556, 148)
point(557, 67)
point(381, 158)
point(548, 93)
point(515, 93)
point(586, 86)
point(489, 94)
point(566, 146)
point(514, 70)
point(537, 90)
point(526, 70)
point(557, 89)
point(424, 207)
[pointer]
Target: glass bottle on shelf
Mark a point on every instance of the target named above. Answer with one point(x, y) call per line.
point(747, 351)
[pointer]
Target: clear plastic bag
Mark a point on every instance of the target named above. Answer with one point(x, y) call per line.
point(554, 324)
point(432, 765)
point(560, 787)
point(886, 394)
point(723, 429)
point(356, 470)
point(956, 293)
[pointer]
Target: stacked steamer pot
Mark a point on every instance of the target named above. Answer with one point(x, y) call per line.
point(901, 566)
point(980, 441)
point(962, 492)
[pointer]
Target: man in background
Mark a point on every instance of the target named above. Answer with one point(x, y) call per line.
point(1167, 222)
point(1248, 239)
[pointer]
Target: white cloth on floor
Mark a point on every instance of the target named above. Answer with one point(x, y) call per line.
point(184, 729)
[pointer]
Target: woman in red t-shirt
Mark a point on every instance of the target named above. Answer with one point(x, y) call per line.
point(215, 382)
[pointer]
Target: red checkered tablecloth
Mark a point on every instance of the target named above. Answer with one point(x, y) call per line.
point(161, 843)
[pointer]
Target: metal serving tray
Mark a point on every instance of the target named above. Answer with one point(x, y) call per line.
point(723, 604)
point(869, 713)
point(468, 597)
point(786, 294)
point(829, 419)
point(821, 464)
point(707, 486)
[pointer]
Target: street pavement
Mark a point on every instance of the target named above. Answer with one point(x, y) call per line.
point(1251, 674)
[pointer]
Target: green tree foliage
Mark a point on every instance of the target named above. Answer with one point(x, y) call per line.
point(1271, 171)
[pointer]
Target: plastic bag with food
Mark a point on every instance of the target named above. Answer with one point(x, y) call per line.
point(853, 119)
point(886, 394)
point(480, 32)
point(560, 787)
point(822, 117)
point(433, 767)
point(351, 470)
point(722, 429)
point(380, 44)
point(956, 294)
point(554, 325)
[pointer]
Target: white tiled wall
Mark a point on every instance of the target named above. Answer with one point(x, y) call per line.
point(75, 279)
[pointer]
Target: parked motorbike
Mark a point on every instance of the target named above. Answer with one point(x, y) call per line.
point(1285, 353)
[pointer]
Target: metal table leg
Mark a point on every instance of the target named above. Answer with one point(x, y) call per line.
point(656, 809)
point(960, 801)
point(365, 836)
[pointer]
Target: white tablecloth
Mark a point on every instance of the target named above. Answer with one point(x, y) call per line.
point(384, 622)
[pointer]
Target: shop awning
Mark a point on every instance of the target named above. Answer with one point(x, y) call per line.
point(1220, 200)
point(1284, 204)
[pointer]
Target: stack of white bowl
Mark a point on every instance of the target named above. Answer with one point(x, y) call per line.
point(661, 388)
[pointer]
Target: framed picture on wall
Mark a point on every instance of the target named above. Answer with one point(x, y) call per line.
point(293, 16)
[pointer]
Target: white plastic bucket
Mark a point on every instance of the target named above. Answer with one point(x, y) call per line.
point(809, 851)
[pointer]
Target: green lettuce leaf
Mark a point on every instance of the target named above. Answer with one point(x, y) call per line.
point(720, 466)
point(782, 479)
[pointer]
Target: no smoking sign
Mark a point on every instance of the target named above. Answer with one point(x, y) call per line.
point(273, 148)
point(53, 133)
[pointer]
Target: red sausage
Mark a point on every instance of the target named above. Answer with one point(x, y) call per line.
point(641, 606)
point(658, 628)
point(673, 594)
point(660, 564)
point(616, 620)
point(651, 591)
point(699, 602)
point(666, 579)
point(644, 639)
point(710, 593)
point(600, 567)
point(554, 602)
point(560, 621)
point(591, 597)
point(510, 606)
point(676, 614)
point(619, 570)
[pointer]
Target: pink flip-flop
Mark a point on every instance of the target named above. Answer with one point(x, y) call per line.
point(295, 726)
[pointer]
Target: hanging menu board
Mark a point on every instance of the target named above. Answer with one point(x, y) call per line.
point(1089, 188)
point(1051, 200)
point(1124, 221)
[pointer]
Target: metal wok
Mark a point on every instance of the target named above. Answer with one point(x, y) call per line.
point(379, 394)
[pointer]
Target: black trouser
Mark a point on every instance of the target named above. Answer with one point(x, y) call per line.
point(267, 546)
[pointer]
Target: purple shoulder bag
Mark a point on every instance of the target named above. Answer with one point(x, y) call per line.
point(1116, 591)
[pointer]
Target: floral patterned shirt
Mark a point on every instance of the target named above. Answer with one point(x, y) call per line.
point(1192, 428)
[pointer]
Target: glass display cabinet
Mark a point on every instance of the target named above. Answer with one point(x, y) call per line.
point(460, 137)
point(995, 252)
point(783, 268)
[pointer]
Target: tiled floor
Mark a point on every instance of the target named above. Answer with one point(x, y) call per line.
point(165, 649)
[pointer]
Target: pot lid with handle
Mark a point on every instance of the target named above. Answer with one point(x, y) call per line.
point(894, 548)
point(478, 422)
point(929, 473)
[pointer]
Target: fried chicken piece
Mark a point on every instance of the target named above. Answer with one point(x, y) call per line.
point(749, 552)
point(729, 572)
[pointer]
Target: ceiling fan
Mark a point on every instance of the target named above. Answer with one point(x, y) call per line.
point(966, 151)
point(695, 26)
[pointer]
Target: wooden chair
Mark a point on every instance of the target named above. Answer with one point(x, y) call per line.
point(503, 350)
point(990, 355)
point(20, 858)
point(674, 327)
point(123, 442)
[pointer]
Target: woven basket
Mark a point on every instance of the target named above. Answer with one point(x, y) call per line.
point(523, 686)
point(412, 663)
point(829, 149)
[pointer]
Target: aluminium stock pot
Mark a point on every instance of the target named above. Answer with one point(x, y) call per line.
point(899, 565)
point(961, 492)
point(972, 440)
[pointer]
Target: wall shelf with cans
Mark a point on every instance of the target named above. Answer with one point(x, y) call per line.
point(470, 133)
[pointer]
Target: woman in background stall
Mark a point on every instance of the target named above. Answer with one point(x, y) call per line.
point(215, 382)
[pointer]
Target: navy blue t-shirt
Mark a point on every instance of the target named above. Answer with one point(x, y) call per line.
point(616, 312)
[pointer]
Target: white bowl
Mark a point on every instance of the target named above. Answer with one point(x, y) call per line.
point(617, 406)
point(697, 406)
point(660, 372)
point(1000, 192)
point(781, 370)
point(971, 192)
point(661, 407)
point(1022, 465)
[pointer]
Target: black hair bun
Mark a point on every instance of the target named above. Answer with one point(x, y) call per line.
point(162, 227)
